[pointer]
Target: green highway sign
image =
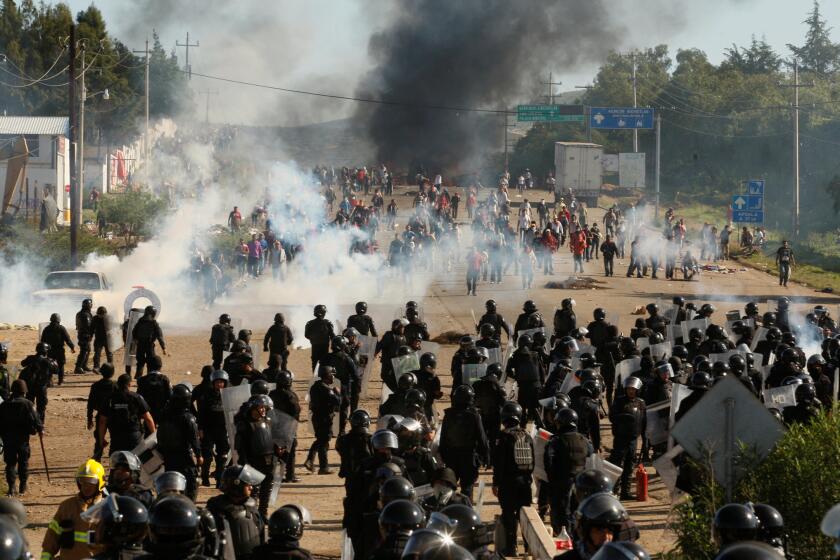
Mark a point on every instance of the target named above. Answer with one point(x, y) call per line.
point(549, 113)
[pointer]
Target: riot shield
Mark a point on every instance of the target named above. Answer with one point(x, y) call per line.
point(541, 438)
point(151, 461)
point(405, 364)
point(626, 367)
point(657, 425)
point(494, 356)
point(113, 334)
point(428, 346)
point(470, 373)
point(283, 428)
point(232, 400)
point(660, 351)
point(686, 326)
point(367, 349)
point(130, 344)
point(780, 397)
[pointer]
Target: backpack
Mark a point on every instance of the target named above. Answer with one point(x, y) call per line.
point(523, 451)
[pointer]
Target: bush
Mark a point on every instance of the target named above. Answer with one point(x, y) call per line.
point(799, 478)
point(135, 212)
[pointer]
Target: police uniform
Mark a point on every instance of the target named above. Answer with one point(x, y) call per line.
point(57, 336)
point(254, 444)
point(524, 368)
point(18, 421)
point(362, 323)
point(177, 437)
point(84, 333)
point(145, 333)
point(286, 400)
point(565, 321)
point(489, 398)
point(628, 417)
point(498, 322)
point(124, 420)
point(157, 390)
point(416, 328)
point(565, 458)
point(98, 398)
point(388, 346)
point(277, 340)
point(241, 523)
point(221, 337)
point(463, 445)
point(598, 332)
point(512, 472)
point(346, 373)
point(323, 403)
point(214, 434)
point(285, 549)
point(99, 326)
point(38, 371)
point(319, 332)
point(429, 383)
point(527, 321)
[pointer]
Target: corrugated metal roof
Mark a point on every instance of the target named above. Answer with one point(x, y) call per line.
point(51, 126)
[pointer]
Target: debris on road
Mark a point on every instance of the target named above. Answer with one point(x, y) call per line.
point(576, 283)
point(448, 337)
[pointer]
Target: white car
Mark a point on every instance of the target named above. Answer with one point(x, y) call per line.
point(67, 288)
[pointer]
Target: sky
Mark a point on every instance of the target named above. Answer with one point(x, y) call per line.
point(321, 45)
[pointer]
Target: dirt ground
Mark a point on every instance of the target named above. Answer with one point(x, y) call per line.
point(445, 307)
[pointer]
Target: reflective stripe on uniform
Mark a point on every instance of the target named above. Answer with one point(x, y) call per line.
point(55, 527)
point(81, 537)
point(46, 556)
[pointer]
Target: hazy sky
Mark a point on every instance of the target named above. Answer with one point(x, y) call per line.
point(322, 44)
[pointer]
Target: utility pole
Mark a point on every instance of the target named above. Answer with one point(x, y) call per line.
point(80, 191)
point(145, 52)
point(207, 93)
point(587, 112)
point(796, 85)
point(658, 157)
point(75, 220)
point(635, 101)
point(550, 83)
point(187, 46)
point(507, 126)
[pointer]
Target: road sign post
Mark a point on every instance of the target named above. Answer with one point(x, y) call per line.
point(748, 208)
point(617, 118)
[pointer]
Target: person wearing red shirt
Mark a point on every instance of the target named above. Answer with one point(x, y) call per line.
point(577, 244)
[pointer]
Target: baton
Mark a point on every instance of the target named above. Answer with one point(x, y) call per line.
point(44, 454)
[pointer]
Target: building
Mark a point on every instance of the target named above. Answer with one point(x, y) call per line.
point(48, 165)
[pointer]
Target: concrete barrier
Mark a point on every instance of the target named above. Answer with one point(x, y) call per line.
point(541, 545)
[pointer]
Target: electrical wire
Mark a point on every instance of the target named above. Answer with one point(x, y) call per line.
point(717, 135)
point(43, 77)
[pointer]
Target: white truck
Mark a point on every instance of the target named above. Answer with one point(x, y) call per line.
point(67, 288)
point(578, 171)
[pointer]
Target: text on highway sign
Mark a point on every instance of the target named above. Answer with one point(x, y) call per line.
point(621, 117)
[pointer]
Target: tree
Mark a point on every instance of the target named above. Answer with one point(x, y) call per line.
point(758, 58)
point(819, 54)
point(134, 212)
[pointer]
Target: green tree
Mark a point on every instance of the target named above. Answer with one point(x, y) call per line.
point(819, 54)
point(758, 58)
point(134, 212)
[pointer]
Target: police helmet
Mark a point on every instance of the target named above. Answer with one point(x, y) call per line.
point(707, 309)
point(664, 367)
point(260, 387)
point(487, 330)
point(566, 418)
point(592, 387)
point(12, 544)
point(805, 393)
point(239, 345)
point(483, 354)
point(720, 368)
point(350, 332)
point(285, 379)
point(397, 488)
point(783, 303)
point(406, 381)
point(771, 525)
point(411, 304)
point(169, 482)
point(494, 369)
point(524, 341)
point(815, 360)
point(529, 306)
point(567, 303)
point(42, 348)
point(224, 319)
point(734, 523)
point(751, 308)
point(789, 356)
point(150, 311)
point(361, 307)
point(13, 509)
point(633, 382)
point(512, 413)
point(769, 319)
point(428, 361)
point(468, 524)
point(592, 481)
point(621, 550)
point(285, 523)
point(239, 475)
point(403, 351)
point(401, 516)
point(260, 400)
point(678, 300)
point(695, 335)
point(656, 338)
point(789, 338)
point(124, 520)
point(423, 540)
point(463, 395)
point(599, 314)
point(384, 439)
point(4, 352)
point(466, 341)
point(174, 526)
point(702, 363)
point(87, 303)
point(320, 311)
point(715, 332)
point(601, 510)
point(569, 342)
point(680, 352)
point(359, 419)
point(701, 380)
point(127, 460)
point(652, 308)
point(55, 318)
point(490, 305)
point(220, 374)
point(386, 471)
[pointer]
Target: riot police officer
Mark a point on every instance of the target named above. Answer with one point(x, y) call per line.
point(18, 421)
point(361, 321)
point(155, 387)
point(319, 332)
point(221, 337)
point(420, 464)
point(565, 320)
point(524, 368)
point(397, 521)
point(628, 416)
point(513, 465)
point(99, 326)
point(255, 445)
point(84, 334)
point(459, 358)
point(598, 328)
point(493, 318)
point(445, 491)
point(530, 318)
point(285, 529)
point(98, 397)
point(324, 401)
point(700, 383)
point(278, 338)
point(395, 404)
point(178, 438)
point(146, 332)
point(124, 478)
point(565, 458)
point(807, 406)
point(388, 347)
point(122, 528)
point(56, 336)
point(489, 398)
point(463, 443)
point(354, 446)
point(239, 365)
point(38, 370)
point(415, 326)
point(175, 530)
point(286, 401)
point(346, 373)
point(597, 519)
point(213, 428)
point(429, 383)
point(125, 417)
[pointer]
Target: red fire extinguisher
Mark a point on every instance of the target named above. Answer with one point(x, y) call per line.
point(641, 483)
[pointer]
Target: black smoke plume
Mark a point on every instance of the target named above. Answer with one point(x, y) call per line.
point(488, 54)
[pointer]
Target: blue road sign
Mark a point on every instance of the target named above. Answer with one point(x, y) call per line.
point(756, 186)
point(748, 216)
point(748, 202)
point(621, 117)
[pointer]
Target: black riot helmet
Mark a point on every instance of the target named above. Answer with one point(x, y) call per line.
point(428, 362)
point(406, 381)
point(529, 306)
point(738, 364)
point(468, 524)
point(279, 318)
point(260, 387)
point(170, 482)
point(4, 352)
point(415, 397)
point(285, 379)
point(490, 305)
point(652, 308)
point(805, 393)
point(12, 544)
point(602, 510)
point(751, 309)
point(42, 348)
point(706, 310)
point(701, 380)
point(463, 396)
point(224, 319)
point(734, 523)
point(396, 488)
point(55, 318)
point(769, 319)
point(679, 301)
point(789, 356)
point(591, 481)
point(174, 527)
point(771, 526)
point(494, 369)
point(359, 419)
point(150, 311)
point(599, 314)
point(384, 439)
point(487, 330)
point(566, 418)
point(320, 311)
point(361, 307)
point(87, 304)
point(539, 339)
point(127, 460)
point(524, 341)
point(715, 332)
point(720, 368)
point(626, 345)
point(124, 521)
point(285, 523)
point(401, 516)
point(695, 335)
point(774, 334)
point(680, 352)
point(621, 550)
point(512, 414)
point(783, 303)
point(749, 550)
point(567, 303)
point(592, 387)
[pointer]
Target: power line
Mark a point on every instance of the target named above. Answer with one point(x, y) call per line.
point(718, 135)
